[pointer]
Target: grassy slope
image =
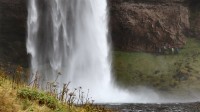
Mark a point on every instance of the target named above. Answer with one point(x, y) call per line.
point(11, 103)
point(162, 72)
point(21, 98)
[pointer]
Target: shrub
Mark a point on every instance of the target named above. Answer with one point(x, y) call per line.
point(41, 97)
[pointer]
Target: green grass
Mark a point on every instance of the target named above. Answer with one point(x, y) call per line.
point(17, 96)
point(36, 95)
point(172, 72)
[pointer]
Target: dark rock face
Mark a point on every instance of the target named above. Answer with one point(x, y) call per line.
point(195, 19)
point(148, 26)
point(135, 25)
point(13, 15)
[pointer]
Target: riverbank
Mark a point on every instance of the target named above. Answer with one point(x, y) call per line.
point(173, 107)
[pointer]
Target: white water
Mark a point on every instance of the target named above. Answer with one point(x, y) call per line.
point(70, 37)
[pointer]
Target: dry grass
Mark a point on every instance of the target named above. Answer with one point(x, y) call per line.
point(9, 102)
point(15, 96)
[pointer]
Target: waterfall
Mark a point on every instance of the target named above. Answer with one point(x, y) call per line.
point(69, 37)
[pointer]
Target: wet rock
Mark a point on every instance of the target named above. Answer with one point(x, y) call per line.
point(173, 107)
point(13, 14)
point(194, 19)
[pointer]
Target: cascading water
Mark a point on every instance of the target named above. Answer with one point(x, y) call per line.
point(70, 37)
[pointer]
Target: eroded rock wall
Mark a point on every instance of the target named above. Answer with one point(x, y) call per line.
point(13, 14)
point(147, 26)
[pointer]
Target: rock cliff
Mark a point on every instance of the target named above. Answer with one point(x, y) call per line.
point(148, 24)
point(135, 25)
point(13, 15)
point(195, 18)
